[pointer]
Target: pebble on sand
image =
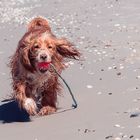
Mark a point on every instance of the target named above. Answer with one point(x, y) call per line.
point(89, 86)
point(117, 125)
point(117, 138)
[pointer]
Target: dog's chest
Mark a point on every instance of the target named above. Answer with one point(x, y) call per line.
point(37, 80)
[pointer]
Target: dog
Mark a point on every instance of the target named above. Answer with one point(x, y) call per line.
point(33, 79)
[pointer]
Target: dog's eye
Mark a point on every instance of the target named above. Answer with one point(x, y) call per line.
point(36, 46)
point(49, 47)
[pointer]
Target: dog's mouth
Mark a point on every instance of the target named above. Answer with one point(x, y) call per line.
point(43, 66)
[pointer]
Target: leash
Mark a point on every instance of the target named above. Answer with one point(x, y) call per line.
point(74, 105)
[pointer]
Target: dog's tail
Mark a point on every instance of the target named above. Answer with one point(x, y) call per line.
point(37, 23)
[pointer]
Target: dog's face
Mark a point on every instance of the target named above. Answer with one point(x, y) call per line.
point(39, 47)
point(42, 51)
point(43, 48)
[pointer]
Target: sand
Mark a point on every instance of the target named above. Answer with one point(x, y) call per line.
point(106, 82)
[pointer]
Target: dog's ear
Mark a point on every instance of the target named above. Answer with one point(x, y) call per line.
point(38, 23)
point(24, 57)
point(67, 49)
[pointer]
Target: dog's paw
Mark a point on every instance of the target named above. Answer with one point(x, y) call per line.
point(30, 106)
point(47, 110)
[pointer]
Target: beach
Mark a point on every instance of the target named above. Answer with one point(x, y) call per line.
point(105, 82)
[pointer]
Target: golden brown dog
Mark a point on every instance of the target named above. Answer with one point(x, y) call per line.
point(32, 75)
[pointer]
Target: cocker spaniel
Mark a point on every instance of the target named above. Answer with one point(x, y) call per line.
point(32, 76)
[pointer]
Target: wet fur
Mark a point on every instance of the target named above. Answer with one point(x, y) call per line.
point(27, 82)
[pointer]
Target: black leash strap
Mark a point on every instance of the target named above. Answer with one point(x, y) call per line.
point(73, 98)
point(74, 105)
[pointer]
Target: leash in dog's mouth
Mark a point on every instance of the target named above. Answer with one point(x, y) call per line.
point(74, 105)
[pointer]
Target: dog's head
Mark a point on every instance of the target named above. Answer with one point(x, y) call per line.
point(39, 47)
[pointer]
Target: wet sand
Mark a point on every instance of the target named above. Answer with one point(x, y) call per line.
point(106, 83)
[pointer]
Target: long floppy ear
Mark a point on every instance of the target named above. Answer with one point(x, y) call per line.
point(67, 49)
point(24, 57)
point(38, 23)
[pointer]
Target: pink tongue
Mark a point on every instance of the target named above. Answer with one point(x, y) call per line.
point(43, 64)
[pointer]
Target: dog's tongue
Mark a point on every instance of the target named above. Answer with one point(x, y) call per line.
point(43, 66)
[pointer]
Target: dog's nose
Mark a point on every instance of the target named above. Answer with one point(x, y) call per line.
point(43, 56)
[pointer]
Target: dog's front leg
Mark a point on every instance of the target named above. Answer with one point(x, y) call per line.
point(48, 103)
point(24, 102)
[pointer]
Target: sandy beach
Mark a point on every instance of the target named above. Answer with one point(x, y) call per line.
point(105, 82)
